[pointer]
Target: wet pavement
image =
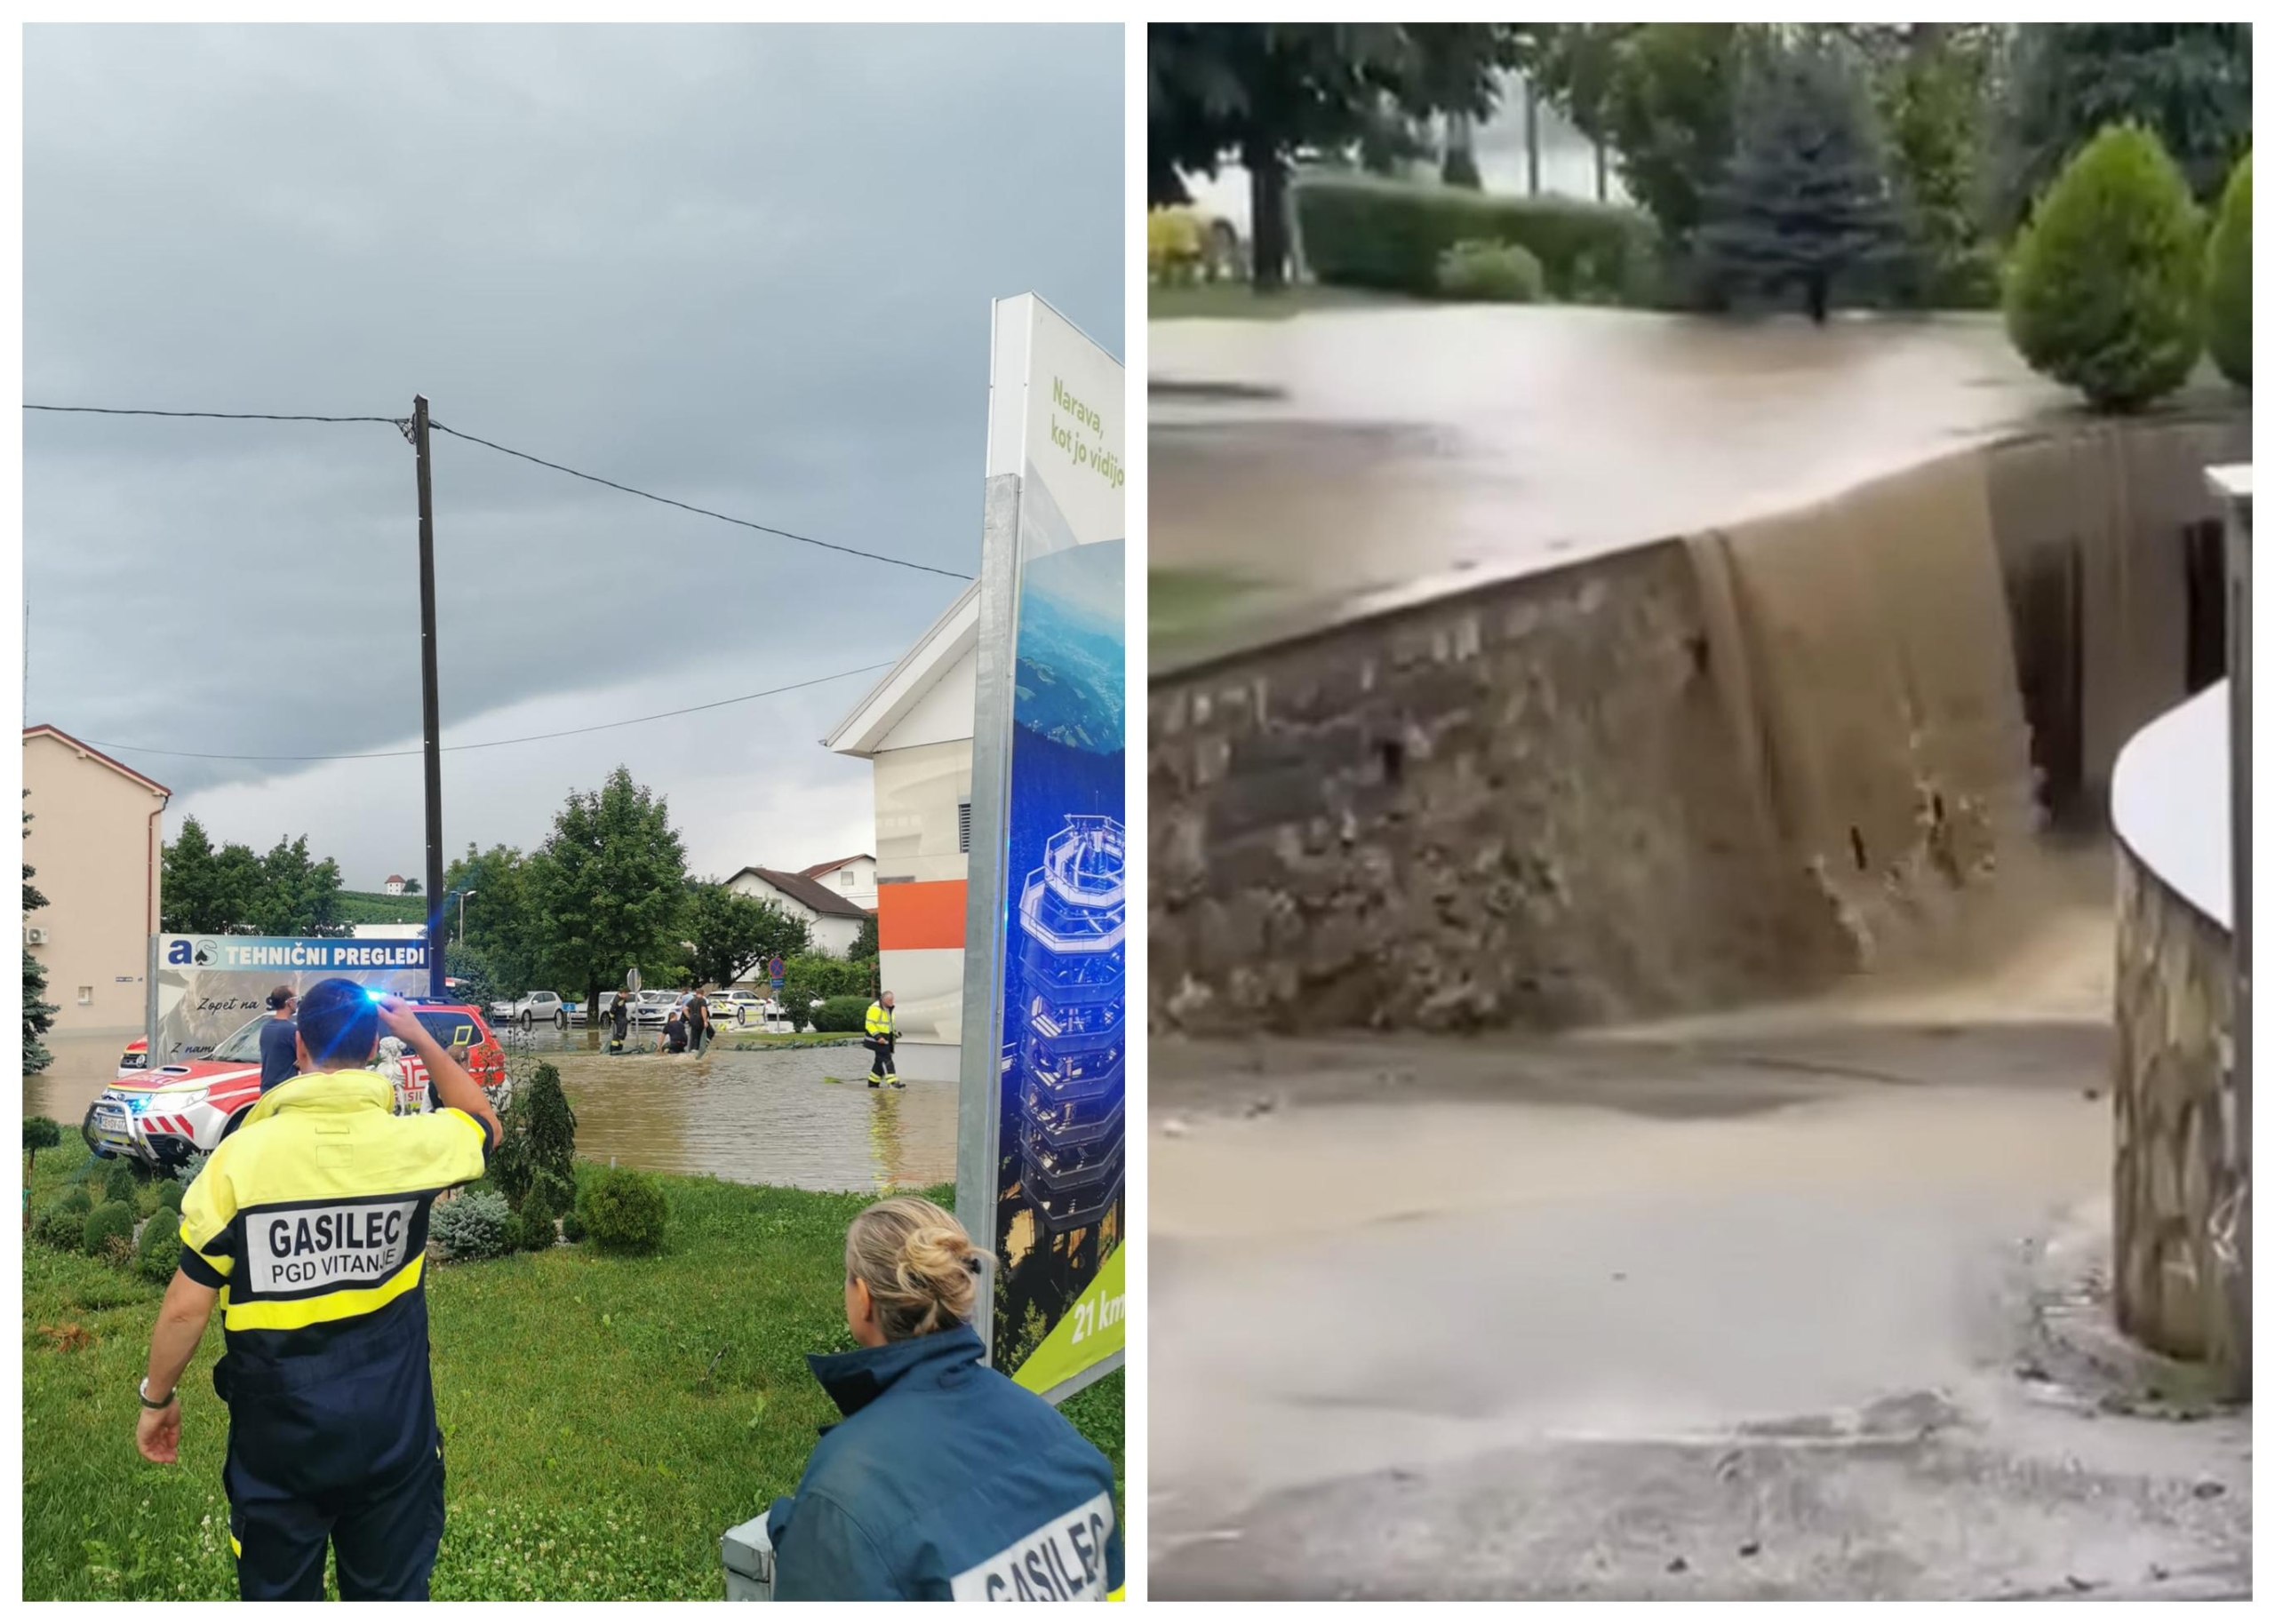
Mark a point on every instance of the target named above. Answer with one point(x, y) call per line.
point(1308, 470)
point(753, 1117)
point(1751, 1306)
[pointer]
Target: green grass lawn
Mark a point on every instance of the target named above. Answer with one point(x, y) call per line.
point(605, 1418)
point(1237, 301)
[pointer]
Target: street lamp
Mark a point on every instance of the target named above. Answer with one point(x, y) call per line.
point(462, 896)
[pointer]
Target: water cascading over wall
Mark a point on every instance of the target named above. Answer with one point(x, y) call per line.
point(1715, 768)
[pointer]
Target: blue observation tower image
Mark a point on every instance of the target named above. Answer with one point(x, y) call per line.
point(1064, 1052)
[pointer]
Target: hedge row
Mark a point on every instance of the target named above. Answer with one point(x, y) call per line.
point(1365, 233)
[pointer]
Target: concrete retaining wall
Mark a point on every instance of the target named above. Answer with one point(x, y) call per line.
point(2180, 1167)
point(1701, 771)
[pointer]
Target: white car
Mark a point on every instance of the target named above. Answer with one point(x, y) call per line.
point(653, 1008)
point(736, 1009)
point(532, 1009)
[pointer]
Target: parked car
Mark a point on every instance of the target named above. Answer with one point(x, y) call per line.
point(735, 1009)
point(160, 1115)
point(652, 1006)
point(607, 1008)
point(532, 1009)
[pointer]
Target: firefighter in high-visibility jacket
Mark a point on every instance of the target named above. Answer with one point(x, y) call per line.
point(879, 1041)
point(308, 1226)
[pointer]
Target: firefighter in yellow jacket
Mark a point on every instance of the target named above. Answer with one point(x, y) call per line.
point(308, 1227)
point(879, 1041)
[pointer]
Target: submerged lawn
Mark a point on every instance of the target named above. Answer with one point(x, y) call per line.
point(605, 1418)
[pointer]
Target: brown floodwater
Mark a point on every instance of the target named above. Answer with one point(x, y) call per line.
point(756, 1116)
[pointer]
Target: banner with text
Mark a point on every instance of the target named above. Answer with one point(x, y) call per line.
point(204, 988)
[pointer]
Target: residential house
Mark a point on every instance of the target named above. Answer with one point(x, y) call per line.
point(393, 886)
point(833, 921)
point(95, 838)
point(853, 878)
point(915, 729)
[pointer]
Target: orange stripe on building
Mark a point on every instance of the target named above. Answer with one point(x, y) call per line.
point(924, 913)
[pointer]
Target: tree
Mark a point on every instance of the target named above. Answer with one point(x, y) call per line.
point(1669, 106)
point(1572, 65)
point(1456, 69)
point(2105, 286)
point(2188, 82)
point(1264, 94)
point(39, 1014)
point(411, 888)
point(728, 933)
point(608, 887)
point(297, 897)
point(502, 932)
point(1932, 85)
point(2227, 281)
point(204, 891)
point(865, 945)
point(1804, 200)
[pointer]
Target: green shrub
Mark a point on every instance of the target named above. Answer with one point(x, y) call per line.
point(473, 1226)
point(191, 1166)
point(76, 1198)
point(2105, 286)
point(118, 1184)
point(539, 1207)
point(1365, 233)
point(112, 1220)
point(572, 1228)
point(169, 1195)
point(40, 1134)
point(2227, 281)
point(539, 1137)
point(842, 1014)
point(160, 1248)
point(62, 1227)
point(623, 1211)
point(1495, 273)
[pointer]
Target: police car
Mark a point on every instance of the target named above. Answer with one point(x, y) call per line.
point(160, 1115)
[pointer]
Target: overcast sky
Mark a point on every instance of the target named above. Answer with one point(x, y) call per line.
point(748, 268)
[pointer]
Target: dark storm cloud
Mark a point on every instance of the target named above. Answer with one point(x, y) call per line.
point(745, 267)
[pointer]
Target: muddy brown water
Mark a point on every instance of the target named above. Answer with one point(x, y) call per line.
point(756, 1116)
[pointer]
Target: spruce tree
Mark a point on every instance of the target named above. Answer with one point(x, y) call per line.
point(1805, 203)
point(39, 1014)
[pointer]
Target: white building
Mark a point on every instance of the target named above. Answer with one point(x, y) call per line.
point(853, 878)
point(832, 922)
point(915, 729)
point(393, 886)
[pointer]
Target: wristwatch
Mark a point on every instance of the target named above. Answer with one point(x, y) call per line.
point(143, 1389)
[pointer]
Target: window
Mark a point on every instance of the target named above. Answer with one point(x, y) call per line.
point(86, 995)
point(963, 825)
point(845, 879)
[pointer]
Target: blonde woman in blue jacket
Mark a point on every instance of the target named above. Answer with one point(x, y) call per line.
point(946, 1481)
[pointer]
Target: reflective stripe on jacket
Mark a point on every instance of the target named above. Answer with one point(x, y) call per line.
point(945, 1481)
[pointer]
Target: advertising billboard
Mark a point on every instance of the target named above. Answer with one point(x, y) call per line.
point(1042, 1132)
point(204, 987)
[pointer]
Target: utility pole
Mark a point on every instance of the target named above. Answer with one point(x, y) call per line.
point(431, 697)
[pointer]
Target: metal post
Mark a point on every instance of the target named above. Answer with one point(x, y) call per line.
point(980, 1180)
point(2235, 485)
point(430, 697)
point(1532, 140)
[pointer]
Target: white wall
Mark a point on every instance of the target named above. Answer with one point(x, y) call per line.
point(944, 712)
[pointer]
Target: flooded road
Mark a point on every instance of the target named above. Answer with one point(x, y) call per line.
point(1308, 469)
point(753, 1117)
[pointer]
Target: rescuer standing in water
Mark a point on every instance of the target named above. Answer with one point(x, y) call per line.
point(878, 1039)
point(308, 1226)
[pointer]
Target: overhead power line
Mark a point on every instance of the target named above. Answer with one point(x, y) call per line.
point(882, 558)
point(457, 433)
point(494, 744)
point(242, 417)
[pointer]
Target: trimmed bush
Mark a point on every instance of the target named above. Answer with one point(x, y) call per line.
point(169, 1196)
point(842, 1014)
point(572, 1228)
point(1495, 272)
point(76, 1198)
point(118, 1184)
point(2103, 290)
point(623, 1211)
point(472, 1226)
point(536, 1231)
point(61, 1227)
point(1364, 232)
point(112, 1220)
point(2227, 281)
point(159, 1250)
point(40, 1134)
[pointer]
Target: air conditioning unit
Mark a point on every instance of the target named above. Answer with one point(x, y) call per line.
point(35, 935)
